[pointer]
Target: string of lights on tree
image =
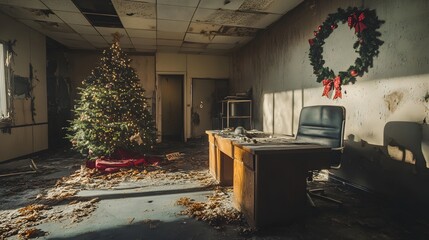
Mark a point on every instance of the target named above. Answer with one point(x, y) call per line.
point(365, 23)
point(112, 113)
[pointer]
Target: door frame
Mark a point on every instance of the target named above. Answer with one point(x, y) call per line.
point(158, 117)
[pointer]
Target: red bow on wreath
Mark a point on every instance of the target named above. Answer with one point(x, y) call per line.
point(357, 22)
point(327, 83)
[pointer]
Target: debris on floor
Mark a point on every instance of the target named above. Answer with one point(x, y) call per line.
point(174, 156)
point(217, 210)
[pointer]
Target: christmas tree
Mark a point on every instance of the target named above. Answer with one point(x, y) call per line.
point(112, 114)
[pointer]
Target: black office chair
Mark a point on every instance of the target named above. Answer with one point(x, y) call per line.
point(323, 125)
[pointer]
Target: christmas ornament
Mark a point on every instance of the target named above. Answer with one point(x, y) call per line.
point(366, 24)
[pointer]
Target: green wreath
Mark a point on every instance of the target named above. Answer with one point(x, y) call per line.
point(365, 22)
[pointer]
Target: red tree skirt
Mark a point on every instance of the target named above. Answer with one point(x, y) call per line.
point(122, 159)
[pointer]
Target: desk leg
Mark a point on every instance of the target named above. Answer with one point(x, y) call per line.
point(225, 168)
point(244, 191)
point(212, 160)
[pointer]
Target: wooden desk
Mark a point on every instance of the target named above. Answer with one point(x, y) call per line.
point(270, 180)
point(221, 158)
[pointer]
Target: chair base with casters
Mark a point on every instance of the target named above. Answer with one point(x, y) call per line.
point(314, 193)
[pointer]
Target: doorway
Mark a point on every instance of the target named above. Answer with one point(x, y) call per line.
point(172, 112)
point(206, 97)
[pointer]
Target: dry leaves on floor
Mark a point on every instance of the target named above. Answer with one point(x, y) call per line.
point(217, 210)
point(21, 222)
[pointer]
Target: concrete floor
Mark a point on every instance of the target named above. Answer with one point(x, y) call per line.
point(146, 208)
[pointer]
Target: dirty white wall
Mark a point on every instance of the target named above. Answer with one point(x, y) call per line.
point(30, 48)
point(392, 96)
point(191, 66)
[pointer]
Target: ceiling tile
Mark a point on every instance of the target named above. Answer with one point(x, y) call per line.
point(105, 31)
point(185, 3)
point(35, 4)
point(28, 13)
point(94, 38)
point(228, 17)
point(195, 27)
point(72, 18)
point(199, 38)
point(238, 31)
point(269, 6)
point(81, 29)
point(234, 18)
point(230, 39)
point(141, 33)
point(138, 42)
point(175, 12)
point(172, 26)
point(170, 35)
point(54, 27)
point(138, 23)
point(135, 9)
point(33, 24)
point(220, 4)
point(64, 5)
point(66, 36)
point(165, 42)
point(45, 27)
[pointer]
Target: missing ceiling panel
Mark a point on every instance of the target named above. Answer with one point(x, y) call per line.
point(135, 9)
point(95, 7)
point(100, 13)
point(54, 26)
point(104, 21)
point(237, 31)
point(227, 17)
point(255, 5)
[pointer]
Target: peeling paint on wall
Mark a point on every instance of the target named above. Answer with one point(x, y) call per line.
point(393, 100)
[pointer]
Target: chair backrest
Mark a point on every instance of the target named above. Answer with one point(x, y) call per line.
point(322, 125)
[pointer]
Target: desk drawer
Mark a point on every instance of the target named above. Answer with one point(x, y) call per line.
point(245, 157)
point(225, 146)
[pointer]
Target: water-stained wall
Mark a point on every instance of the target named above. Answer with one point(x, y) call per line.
point(387, 147)
point(29, 131)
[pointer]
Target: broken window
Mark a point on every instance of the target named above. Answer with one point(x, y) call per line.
point(5, 93)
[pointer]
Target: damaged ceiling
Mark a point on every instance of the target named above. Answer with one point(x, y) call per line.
point(187, 26)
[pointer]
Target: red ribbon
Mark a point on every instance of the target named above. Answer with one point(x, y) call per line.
point(311, 41)
point(337, 86)
point(357, 22)
point(328, 86)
